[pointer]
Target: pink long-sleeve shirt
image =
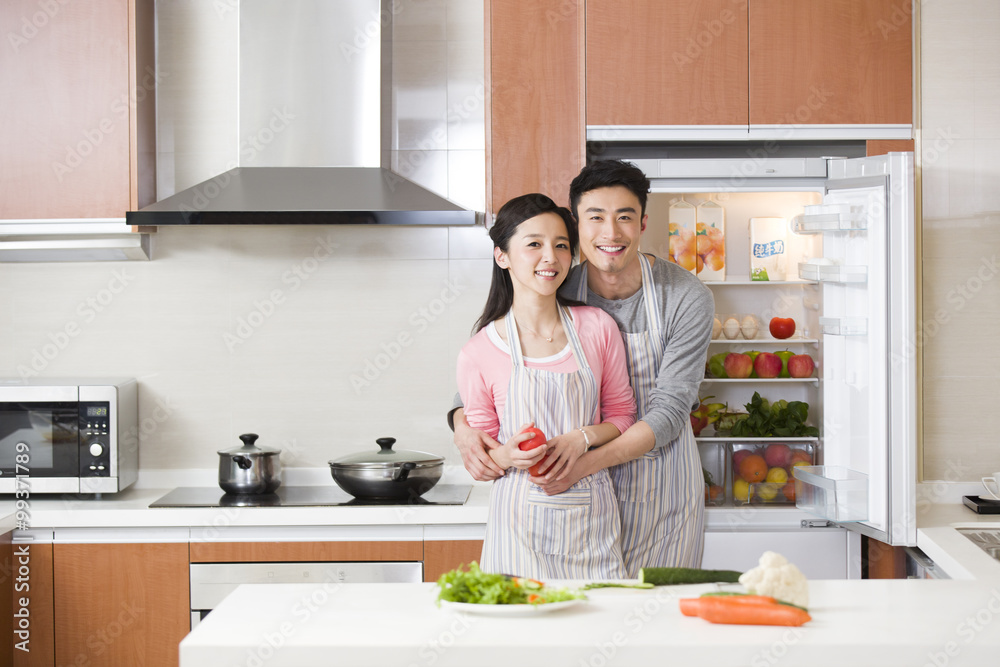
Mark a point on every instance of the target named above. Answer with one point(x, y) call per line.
point(484, 369)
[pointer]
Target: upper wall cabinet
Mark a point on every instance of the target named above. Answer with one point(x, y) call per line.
point(77, 85)
point(830, 62)
point(667, 62)
point(535, 120)
point(656, 66)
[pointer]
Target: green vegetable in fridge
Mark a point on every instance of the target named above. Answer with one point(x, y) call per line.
point(727, 420)
point(672, 576)
point(782, 419)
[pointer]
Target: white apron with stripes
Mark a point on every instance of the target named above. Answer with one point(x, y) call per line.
point(571, 535)
point(660, 494)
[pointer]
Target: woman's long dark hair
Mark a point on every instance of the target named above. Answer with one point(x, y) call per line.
point(509, 218)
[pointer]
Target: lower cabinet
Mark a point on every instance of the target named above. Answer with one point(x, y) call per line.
point(30, 568)
point(443, 555)
point(120, 604)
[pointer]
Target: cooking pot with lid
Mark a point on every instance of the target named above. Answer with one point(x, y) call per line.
point(250, 469)
point(387, 474)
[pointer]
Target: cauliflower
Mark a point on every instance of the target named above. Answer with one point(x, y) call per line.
point(778, 578)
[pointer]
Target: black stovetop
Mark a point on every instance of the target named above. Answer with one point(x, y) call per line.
point(305, 496)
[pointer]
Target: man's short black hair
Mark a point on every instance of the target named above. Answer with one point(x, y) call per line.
point(606, 174)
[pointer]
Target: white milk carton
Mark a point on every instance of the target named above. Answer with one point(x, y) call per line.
point(768, 248)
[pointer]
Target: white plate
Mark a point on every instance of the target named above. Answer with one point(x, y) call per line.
point(509, 609)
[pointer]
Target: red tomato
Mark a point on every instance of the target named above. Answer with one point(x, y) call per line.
point(536, 441)
point(782, 327)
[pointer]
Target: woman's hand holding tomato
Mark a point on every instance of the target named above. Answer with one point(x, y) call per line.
point(511, 454)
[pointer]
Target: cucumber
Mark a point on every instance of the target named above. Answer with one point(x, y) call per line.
point(671, 576)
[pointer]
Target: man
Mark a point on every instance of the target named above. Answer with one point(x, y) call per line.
point(665, 315)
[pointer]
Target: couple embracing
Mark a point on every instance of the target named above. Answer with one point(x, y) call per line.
point(605, 358)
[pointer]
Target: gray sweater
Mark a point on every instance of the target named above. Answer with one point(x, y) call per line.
point(688, 309)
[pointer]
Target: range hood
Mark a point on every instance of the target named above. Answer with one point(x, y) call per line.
point(302, 196)
point(314, 126)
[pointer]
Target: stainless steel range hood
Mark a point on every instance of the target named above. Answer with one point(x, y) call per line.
point(302, 196)
point(314, 121)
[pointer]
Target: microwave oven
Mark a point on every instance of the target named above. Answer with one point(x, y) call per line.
point(68, 435)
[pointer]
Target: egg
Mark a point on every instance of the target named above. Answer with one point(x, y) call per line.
point(749, 326)
point(716, 328)
point(731, 328)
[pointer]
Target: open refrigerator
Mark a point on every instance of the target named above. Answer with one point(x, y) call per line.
point(848, 282)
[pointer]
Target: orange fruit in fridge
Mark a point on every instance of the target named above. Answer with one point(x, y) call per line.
point(753, 468)
point(789, 491)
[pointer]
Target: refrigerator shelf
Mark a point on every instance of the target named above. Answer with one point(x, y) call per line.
point(834, 493)
point(835, 273)
point(764, 341)
point(763, 380)
point(844, 326)
point(733, 438)
point(745, 280)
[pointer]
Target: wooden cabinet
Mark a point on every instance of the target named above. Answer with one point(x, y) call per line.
point(301, 552)
point(667, 62)
point(535, 115)
point(831, 62)
point(748, 62)
point(443, 555)
point(120, 604)
point(34, 584)
point(78, 89)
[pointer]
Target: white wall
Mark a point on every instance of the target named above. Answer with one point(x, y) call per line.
point(263, 329)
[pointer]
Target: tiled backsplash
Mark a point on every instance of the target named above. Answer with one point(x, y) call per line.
point(320, 339)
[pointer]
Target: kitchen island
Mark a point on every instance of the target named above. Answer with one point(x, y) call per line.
point(891, 622)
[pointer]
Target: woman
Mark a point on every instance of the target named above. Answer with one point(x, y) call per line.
point(537, 359)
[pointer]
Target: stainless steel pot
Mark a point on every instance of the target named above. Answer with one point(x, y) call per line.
point(387, 474)
point(249, 469)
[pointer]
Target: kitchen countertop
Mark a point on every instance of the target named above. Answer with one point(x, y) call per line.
point(884, 622)
point(953, 552)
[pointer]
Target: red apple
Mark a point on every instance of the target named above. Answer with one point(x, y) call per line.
point(738, 457)
point(767, 365)
point(801, 366)
point(777, 455)
point(698, 423)
point(782, 327)
point(738, 365)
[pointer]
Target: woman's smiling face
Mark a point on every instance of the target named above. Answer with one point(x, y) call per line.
point(538, 255)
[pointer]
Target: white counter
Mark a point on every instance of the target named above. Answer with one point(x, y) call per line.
point(884, 623)
point(953, 552)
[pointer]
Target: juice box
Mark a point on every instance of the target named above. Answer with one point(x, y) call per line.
point(768, 248)
point(710, 241)
point(682, 216)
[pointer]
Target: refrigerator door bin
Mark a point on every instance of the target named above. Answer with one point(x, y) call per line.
point(834, 493)
point(820, 218)
point(844, 326)
point(835, 273)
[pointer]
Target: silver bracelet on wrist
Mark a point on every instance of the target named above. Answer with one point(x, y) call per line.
point(586, 438)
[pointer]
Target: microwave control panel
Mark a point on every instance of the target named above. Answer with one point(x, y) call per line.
point(95, 441)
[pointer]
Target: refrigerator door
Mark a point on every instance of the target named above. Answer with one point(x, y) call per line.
point(869, 346)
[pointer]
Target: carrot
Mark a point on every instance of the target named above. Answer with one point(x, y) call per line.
point(731, 610)
point(534, 597)
point(742, 597)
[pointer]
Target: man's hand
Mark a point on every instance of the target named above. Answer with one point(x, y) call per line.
point(554, 486)
point(564, 450)
point(474, 446)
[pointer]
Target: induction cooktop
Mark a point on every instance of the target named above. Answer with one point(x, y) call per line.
point(305, 496)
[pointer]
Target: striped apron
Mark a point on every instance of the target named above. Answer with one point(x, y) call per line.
point(571, 535)
point(660, 494)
